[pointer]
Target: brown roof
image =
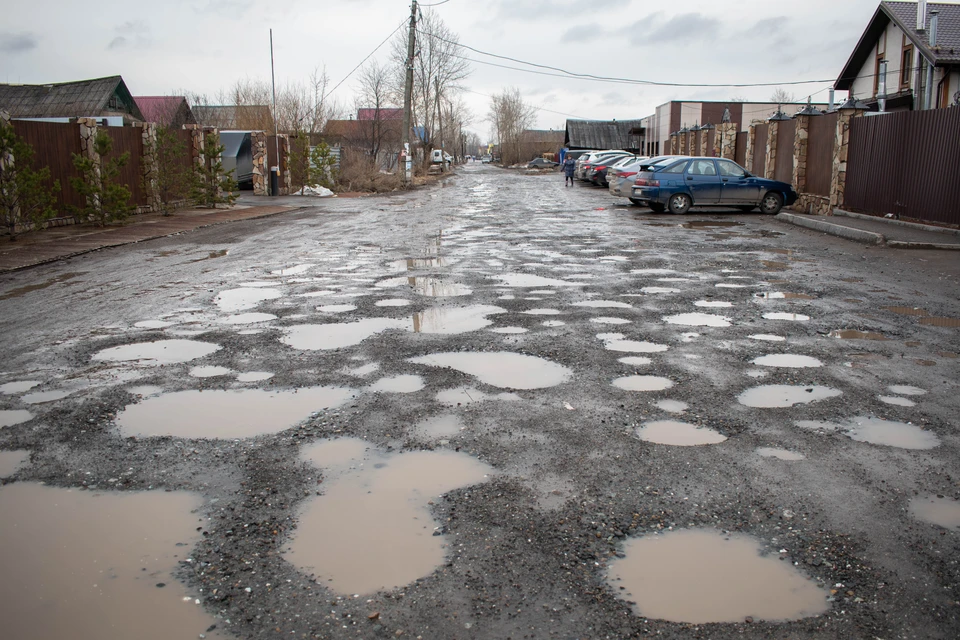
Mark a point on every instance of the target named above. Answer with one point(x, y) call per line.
point(83, 98)
point(163, 109)
point(234, 117)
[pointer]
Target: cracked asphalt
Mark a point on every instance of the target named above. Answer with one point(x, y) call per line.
point(456, 269)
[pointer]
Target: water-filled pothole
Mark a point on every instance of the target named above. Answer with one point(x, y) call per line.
point(781, 295)
point(941, 322)
point(698, 320)
point(442, 426)
point(793, 317)
point(327, 337)
point(712, 304)
point(678, 434)
point(767, 337)
point(908, 311)
point(610, 321)
point(780, 454)
point(471, 395)
point(453, 320)
point(937, 510)
point(393, 302)
point(372, 528)
point(529, 280)
point(636, 361)
point(704, 576)
point(891, 434)
point(88, 565)
point(254, 376)
point(643, 383)
point(603, 304)
point(853, 334)
point(398, 384)
point(906, 390)
point(41, 397)
point(209, 372)
point(787, 360)
point(502, 369)
point(781, 395)
point(337, 308)
point(244, 298)
point(428, 286)
point(19, 386)
point(226, 414)
point(897, 401)
point(618, 342)
point(672, 406)
point(10, 417)
point(10, 461)
point(157, 353)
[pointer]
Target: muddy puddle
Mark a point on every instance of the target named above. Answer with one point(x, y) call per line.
point(906, 390)
point(610, 321)
point(226, 414)
point(671, 406)
point(781, 295)
point(897, 401)
point(543, 312)
point(97, 565)
point(52, 395)
point(700, 576)
point(157, 353)
point(19, 386)
point(767, 337)
point(470, 395)
point(781, 395)
point(502, 369)
point(337, 308)
point(792, 317)
point(780, 454)
point(678, 434)
point(443, 426)
point(393, 302)
point(773, 265)
point(713, 304)
point(398, 384)
point(209, 372)
point(940, 322)
point(891, 434)
point(10, 417)
point(524, 280)
point(939, 510)
point(636, 361)
point(417, 264)
point(372, 529)
point(327, 337)
point(603, 304)
point(248, 318)
point(853, 334)
point(454, 320)
point(234, 300)
point(254, 376)
point(643, 383)
point(907, 311)
point(788, 361)
point(554, 323)
point(427, 286)
point(618, 342)
point(659, 290)
point(698, 320)
point(11, 461)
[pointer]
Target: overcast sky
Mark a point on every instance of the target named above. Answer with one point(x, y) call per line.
point(205, 45)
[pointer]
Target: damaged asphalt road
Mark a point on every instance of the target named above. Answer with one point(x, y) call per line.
point(495, 408)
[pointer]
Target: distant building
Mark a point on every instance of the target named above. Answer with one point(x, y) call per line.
point(169, 111)
point(386, 113)
point(233, 117)
point(97, 98)
point(604, 134)
point(534, 143)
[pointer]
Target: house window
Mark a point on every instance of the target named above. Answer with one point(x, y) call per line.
point(881, 54)
point(906, 66)
point(114, 103)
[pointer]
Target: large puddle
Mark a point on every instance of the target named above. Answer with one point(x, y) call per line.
point(792, 317)
point(157, 353)
point(11, 461)
point(398, 384)
point(244, 298)
point(937, 510)
point(891, 434)
point(10, 417)
point(703, 576)
point(427, 286)
point(643, 383)
point(226, 414)
point(372, 528)
point(788, 361)
point(678, 434)
point(698, 320)
point(327, 337)
point(603, 304)
point(776, 396)
point(502, 369)
point(19, 386)
point(618, 342)
point(87, 565)
point(532, 281)
point(453, 320)
point(940, 322)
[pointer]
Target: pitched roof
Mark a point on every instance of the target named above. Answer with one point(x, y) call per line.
point(232, 116)
point(602, 134)
point(904, 15)
point(385, 114)
point(69, 99)
point(161, 109)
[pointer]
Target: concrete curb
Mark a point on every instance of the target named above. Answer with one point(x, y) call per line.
point(857, 235)
point(899, 223)
point(899, 244)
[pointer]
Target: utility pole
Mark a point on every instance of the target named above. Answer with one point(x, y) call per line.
point(275, 170)
point(408, 97)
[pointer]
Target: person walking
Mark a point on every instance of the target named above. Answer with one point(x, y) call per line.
point(568, 166)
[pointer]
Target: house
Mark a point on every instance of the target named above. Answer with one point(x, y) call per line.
point(603, 134)
point(536, 142)
point(908, 57)
point(234, 117)
point(383, 113)
point(168, 111)
point(97, 98)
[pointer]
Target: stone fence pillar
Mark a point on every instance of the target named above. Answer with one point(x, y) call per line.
point(751, 138)
point(196, 143)
point(770, 164)
point(682, 151)
point(725, 143)
point(286, 180)
point(841, 149)
point(801, 139)
point(149, 168)
point(258, 144)
point(704, 140)
point(88, 135)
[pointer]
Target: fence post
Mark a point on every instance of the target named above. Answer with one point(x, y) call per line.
point(88, 136)
point(148, 165)
point(258, 143)
point(726, 141)
point(838, 182)
point(284, 162)
point(196, 143)
point(704, 140)
point(751, 139)
point(7, 159)
point(683, 143)
point(674, 146)
point(770, 163)
point(800, 142)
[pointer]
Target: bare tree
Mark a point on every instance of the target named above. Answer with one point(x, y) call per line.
point(782, 96)
point(374, 94)
point(509, 117)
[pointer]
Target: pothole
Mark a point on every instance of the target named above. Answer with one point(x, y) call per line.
point(19, 386)
point(442, 426)
point(603, 304)
point(785, 295)
point(939, 510)
point(792, 317)
point(853, 334)
point(454, 320)
point(908, 311)
point(636, 361)
point(643, 383)
point(671, 406)
point(502, 369)
point(891, 434)
point(254, 376)
point(11, 461)
point(906, 390)
point(244, 298)
point(428, 286)
point(787, 361)
point(698, 320)
point(703, 576)
point(940, 322)
point(471, 395)
point(610, 321)
point(618, 342)
point(780, 454)
point(226, 414)
point(678, 434)
point(713, 304)
point(372, 528)
point(767, 337)
point(543, 312)
point(41, 397)
point(157, 353)
point(393, 302)
point(529, 280)
point(398, 384)
point(781, 395)
point(209, 372)
point(328, 337)
point(897, 401)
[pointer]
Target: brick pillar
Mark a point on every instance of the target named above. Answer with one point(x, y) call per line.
point(286, 180)
point(196, 143)
point(770, 164)
point(209, 155)
point(704, 139)
point(801, 140)
point(751, 138)
point(682, 151)
point(726, 141)
point(258, 143)
point(841, 148)
point(148, 165)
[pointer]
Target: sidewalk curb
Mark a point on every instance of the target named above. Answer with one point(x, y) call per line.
point(899, 244)
point(153, 237)
point(899, 223)
point(857, 235)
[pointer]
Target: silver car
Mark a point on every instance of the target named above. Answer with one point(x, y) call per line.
point(588, 159)
point(620, 176)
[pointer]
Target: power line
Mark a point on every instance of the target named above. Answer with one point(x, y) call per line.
point(537, 107)
point(385, 40)
point(435, 4)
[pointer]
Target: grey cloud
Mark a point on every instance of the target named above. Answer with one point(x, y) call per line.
point(130, 34)
point(17, 42)
point(117, 43)
point(584, 33)
point(690, 25)
point(536, 9)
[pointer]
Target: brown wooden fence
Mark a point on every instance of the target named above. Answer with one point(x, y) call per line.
point(53, 145)
point(741, 154)
point(129, 140)
point(906, 164)
point(760, 149)
point(822, 137)
point(783, 170)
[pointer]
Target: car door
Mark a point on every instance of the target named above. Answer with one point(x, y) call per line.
point(738, 186)
point(703, 182)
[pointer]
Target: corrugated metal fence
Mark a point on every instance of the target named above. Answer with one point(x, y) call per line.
point(907, 164)
point(741, 154)
point(787, 131)
point(760, 149)
point(53, 145)
point(821, 139)
point(129, 140)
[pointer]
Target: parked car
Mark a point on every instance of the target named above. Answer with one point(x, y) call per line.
point(486, 159)
point(620, 176)
point(586, 162)
point(679, 184)
point(598, 172)
point(541, 163)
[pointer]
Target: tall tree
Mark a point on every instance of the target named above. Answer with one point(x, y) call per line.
point(509, 117)
point(374, 93)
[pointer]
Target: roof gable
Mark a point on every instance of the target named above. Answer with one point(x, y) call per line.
point(161, 109)
point(96, 97)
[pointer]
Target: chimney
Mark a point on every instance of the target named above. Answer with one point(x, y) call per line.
point(934, 19)
point(921, 15)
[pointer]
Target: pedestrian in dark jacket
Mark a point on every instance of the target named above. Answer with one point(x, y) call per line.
point(569, 165)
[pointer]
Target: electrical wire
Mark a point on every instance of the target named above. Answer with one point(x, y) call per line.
point(354, 70)
point(537, 107)
point(435, 4)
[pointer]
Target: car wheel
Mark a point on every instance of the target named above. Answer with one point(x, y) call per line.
point(679, 203)
point(656, 207)
point(746, 208)
point(771, 203)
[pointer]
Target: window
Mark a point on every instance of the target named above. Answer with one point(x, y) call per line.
point(677, 168)
point(881, 55)
point(702, 168)
point(906, 65)
point(730, 169)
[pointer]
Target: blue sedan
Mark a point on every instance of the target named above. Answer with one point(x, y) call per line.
point(677, 184)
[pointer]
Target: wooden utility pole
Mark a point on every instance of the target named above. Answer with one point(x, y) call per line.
point(408, 96)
